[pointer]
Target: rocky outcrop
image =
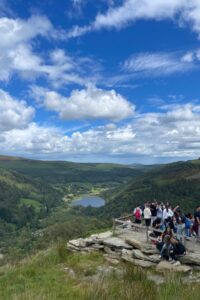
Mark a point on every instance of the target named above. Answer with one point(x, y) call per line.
point(164, 266)
point(191, 259)
point(116, 243)
point(144, 247)
point(132, 249)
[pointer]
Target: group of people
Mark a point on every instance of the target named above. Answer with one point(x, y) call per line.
point(171, 225)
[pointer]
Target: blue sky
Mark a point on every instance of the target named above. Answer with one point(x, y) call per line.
point(106, 81)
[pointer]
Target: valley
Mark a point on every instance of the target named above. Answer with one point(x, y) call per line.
point(36, 198)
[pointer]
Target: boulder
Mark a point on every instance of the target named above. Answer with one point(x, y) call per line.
point(79, 243)
point(127, 255)
point(113, 261)
point(143, 263)
point(150, 249)
point(115, 242)
point(139, 255)
point(133, 242)
point(154, 258)
point(101, 236)
point(72, 248)
point(136, 253)
point(97, 247)
point(167, 266)
point(112, 254)
point(191, 259)
point(144, 247)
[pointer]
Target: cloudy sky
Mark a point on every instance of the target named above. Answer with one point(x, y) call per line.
point(105, 80)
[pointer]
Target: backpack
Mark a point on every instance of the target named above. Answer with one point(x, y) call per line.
point(137, 214)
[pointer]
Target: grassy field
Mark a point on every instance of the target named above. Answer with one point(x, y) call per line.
point(30, 202)
point(59, 275)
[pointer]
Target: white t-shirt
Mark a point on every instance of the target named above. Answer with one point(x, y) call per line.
point(168, 213)
point(147, 213)
point(159, 212)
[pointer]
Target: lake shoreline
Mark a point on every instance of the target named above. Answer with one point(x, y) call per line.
point(89, 200)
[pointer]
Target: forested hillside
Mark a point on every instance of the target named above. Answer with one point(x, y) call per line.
point(34, 213)
point(65, 172)
point(178, 183)
point(33, 207)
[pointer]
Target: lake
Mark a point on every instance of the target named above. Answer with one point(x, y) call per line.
point(93, 201)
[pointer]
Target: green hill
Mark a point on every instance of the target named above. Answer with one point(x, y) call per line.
point(178, 183)
point(63, 172)
point(32, 210)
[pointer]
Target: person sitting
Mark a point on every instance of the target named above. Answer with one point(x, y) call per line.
point(196, 226)
point(167, 250)
point(179, 248)
point(167, 232)
point(157, 225)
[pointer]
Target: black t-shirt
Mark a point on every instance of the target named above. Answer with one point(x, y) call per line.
point(153, 210)
point(197, 215)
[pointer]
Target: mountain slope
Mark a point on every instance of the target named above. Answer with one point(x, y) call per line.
point(62, 171)
point(178, 183)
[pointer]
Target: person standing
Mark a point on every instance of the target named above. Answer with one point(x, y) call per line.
point(147, 215)
point(137, 214)
point(159, 212)
point(167, 212)
point(196, 226)
point(153, 208)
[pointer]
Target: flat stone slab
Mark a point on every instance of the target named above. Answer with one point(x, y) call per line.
point(136, 253)
point(102, 236)
point(115, 242)
point(143, 263)
point(191, 259)
point(133, 242)
point(79, 243)
point(127, 255)
point(144, 247)
point(167, 266)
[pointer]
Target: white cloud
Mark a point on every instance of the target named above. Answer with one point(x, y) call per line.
point(174, 132)
point(18, 56)
point(16, 31)
point(13, 113)
point(89, 103)
point(158, 63)
point(183, 11)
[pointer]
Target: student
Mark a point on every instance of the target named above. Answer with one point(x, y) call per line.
point(188, 225)
point(167, 212)
point(167, 250)
point(179, 248)
point(157, 225)
point(153, 208)
point(159, 212)
point(180, 228)
point(196, 226)
point(147, 215)
point(138, 214)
